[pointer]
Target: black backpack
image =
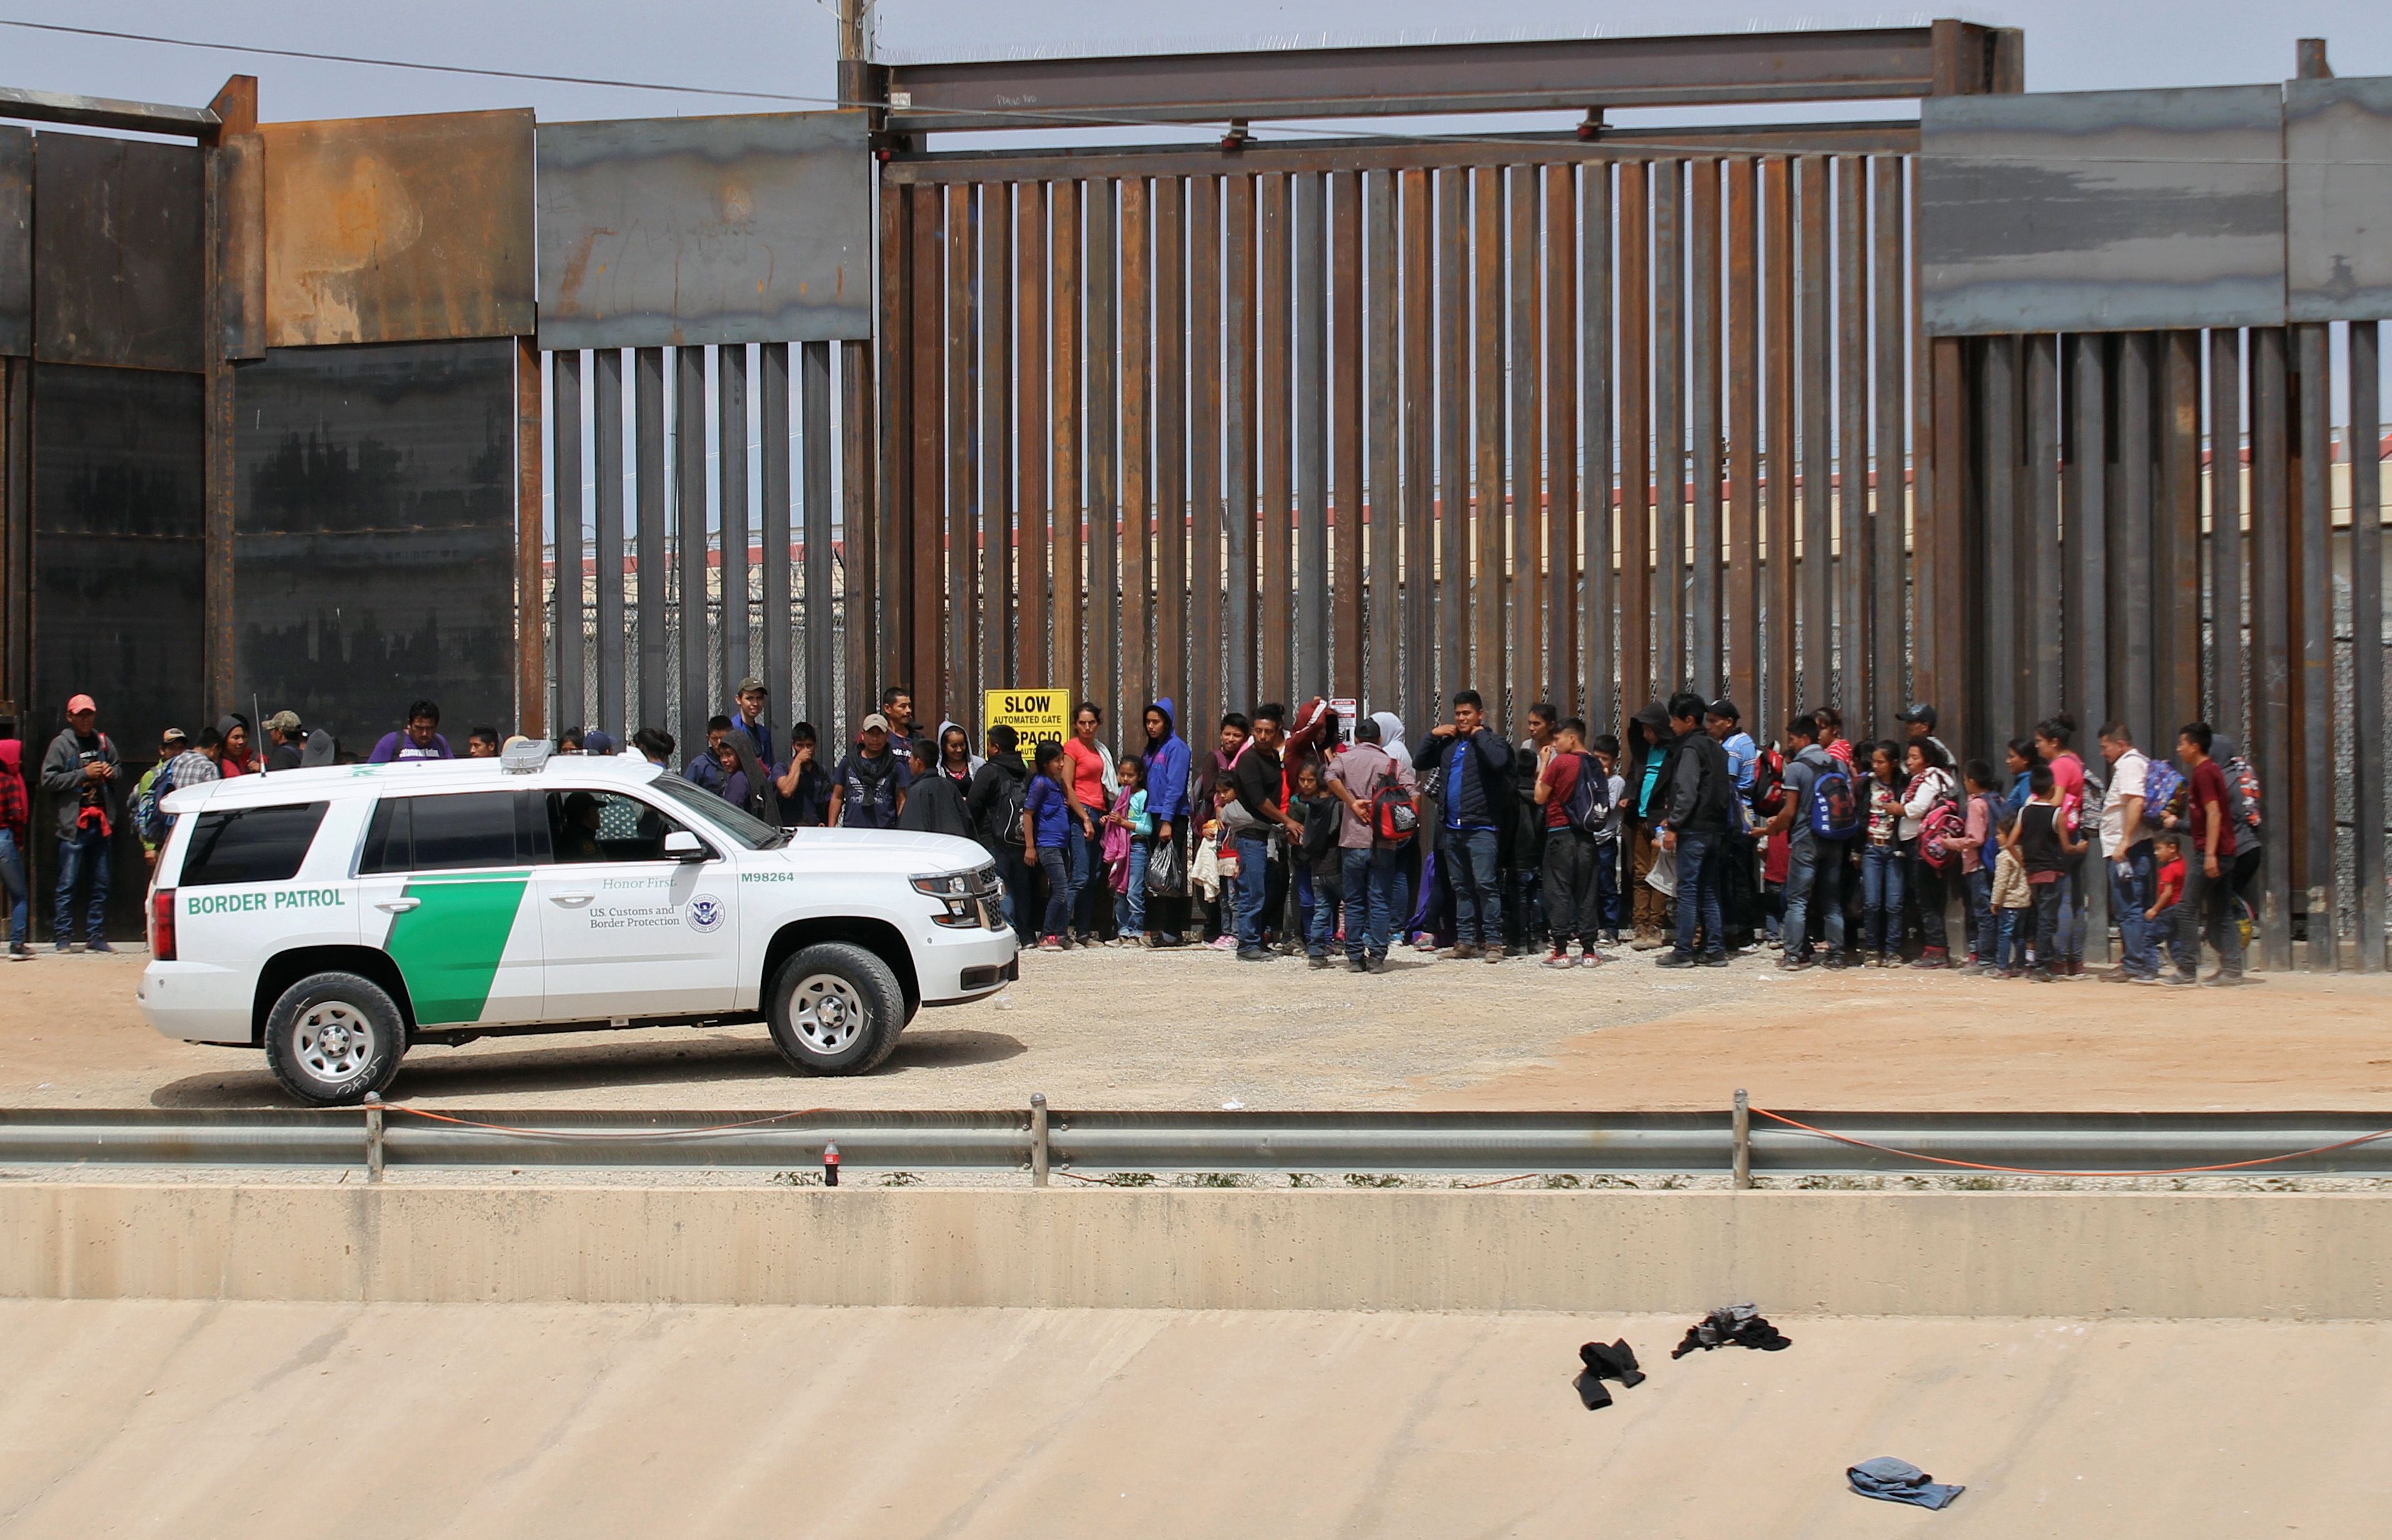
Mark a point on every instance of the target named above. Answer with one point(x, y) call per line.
point(1001, 824)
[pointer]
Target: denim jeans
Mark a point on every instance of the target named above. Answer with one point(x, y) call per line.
point(2070, 944)
point(1254, 853)
point(1610, 904)
point(2050, 903)
point(1881, 873)
point(1300, 882)
point(1080, 861)
point(1057, 871)
point(1814, 897)
point(12, 877)
point(1698, 892)
point(2130, 894)
point(1373, 882)
point(1980, 913)
point(1132, 909)
point(1320, 899)
point(1020, 911)
point(2207, 906)
point(83, 859)
point(2009, 943)
point(1478, 887)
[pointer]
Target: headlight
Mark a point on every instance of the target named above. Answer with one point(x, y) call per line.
point(956, 896)
point(953, 885)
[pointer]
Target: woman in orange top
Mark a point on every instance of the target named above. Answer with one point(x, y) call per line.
point(1089, 792)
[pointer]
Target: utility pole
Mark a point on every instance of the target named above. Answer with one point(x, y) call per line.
point(852, 58)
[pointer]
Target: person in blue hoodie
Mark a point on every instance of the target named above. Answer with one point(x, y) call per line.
point(1166, 804)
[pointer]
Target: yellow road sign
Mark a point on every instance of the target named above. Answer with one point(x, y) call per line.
point(1034, 714)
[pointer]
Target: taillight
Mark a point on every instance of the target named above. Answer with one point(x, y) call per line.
point(161, 925)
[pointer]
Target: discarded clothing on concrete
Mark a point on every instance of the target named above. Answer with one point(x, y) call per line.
point(1891, 1480)
point(1605, 1361)
point(1741, 1325)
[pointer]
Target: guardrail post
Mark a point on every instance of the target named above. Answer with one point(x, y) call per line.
point(374, 1136)
point(1742, 1119)
point(1038, 1138)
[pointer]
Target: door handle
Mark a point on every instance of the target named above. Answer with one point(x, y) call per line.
point(398, 906)
point(571, 900)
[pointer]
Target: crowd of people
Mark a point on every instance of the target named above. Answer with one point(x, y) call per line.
point(1308, 835)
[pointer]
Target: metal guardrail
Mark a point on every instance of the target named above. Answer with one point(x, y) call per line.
point(1585, 1143)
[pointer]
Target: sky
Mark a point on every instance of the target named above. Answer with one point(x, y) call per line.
point(786, 48)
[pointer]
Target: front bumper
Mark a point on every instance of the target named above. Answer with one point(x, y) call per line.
point(955, 966)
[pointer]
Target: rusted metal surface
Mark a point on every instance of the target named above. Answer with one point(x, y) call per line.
point(1311, 400)
point(1414, 679)
point(2226, 539)
point(1861, 64)
point(891, 529)
point(2367, 759)
point(1208, 618)
point(1815, 364)
point(131, 117)
point(1101, 536)
point(1136, 651)
point(1704, 426)
point(233, 259)
point(859, 553)
point(951, 676)
point(749, 228)
point(994, 442)
point(237, 189)
point(1594, 342)
point(571, 606)
point(1276, 621)
point(380, 538)
point(1486, 424)
point(1559, 683)
point(1882, 137)
point(2271, 628)
point(606, 474)
point(2338, 198)
point(2130, 565)
point(530, 648)
point(1453, 629)
point(814, 479)
point(400, 229)
point(774, 504)
point(1635, 590)
point(648, 531)
point(16, 529)
point(1524, 458)
point(1996, 717)
point(2313, 705)
point(1668, 427)
point(1777, 236)
point(730, 537)
point(2102, 210)
point(2086, 616)
point(1033, 607)
point(925, 509)
point(121, 250)
point(2176, 529)
point(1890, 509)
point(1851, 585)
point(1170, 440)
point(16, 242)
point(1345, 429)
point(1237, 490)
point(2040, 595)
point(1384, 400)
point(689, 448)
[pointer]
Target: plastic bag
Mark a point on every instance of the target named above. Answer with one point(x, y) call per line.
point(1166, 871)
point(1663, 878)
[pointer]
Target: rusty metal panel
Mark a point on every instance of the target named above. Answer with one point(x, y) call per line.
point(120, 247)
point(16, 241)
point(238, 173)
point(374, 542)
point(2103, 210)
point(2338, 198)
point(399, 229)
point(750, 228)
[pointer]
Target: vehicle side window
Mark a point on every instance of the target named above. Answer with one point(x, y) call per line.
point(447, 834)
point(250, 844)
point(586, 826)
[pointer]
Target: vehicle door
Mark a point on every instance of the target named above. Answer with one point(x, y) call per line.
point(442, 881)
point(630, 930)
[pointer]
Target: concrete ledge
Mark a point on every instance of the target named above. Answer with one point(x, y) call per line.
point(2274, 1255)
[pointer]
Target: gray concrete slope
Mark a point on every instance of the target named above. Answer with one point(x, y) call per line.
point(178, 1419)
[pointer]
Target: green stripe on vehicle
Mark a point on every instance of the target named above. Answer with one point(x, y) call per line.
point(447, 947)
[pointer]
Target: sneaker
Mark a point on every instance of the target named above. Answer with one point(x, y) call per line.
point(99, 946)
point(1793, 962)
point(1676, 960)
point(1835, 961)
point(2151, 978)
point(2041, 975)
point(1355, 964)
point(62, 947)
point(1557, 958)
point(1647, 940)
point(19, 952)
point(2222, 981)
point(1256, 954)
point(1050, 944)
point(1461, 951)
point(1378, 962)
point(1714, 959)
point(1493, 955)
point(1933, 957)
point(2180, 980)
point(1317, 960)
point(1223, 942)
point(2114, 975)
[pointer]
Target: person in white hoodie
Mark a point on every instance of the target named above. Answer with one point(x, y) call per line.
point(1930, 783)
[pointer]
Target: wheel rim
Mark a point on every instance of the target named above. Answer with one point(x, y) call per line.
point(827, 1013)
point(334, 1041)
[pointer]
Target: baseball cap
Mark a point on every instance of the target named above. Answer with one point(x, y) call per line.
point(875, 719)
point(173, 735)
point(81, 702)
point(1724, 709)
point(750, 682)
point(283, 721)
point(1923, 713)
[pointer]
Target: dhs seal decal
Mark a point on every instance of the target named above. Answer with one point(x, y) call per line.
point(704, 913)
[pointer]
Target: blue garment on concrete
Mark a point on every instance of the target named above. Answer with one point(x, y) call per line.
point(1892, 1481)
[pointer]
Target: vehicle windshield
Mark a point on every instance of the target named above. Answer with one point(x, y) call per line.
point(736, 824)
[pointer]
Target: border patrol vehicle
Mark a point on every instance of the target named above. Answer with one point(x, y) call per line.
point(337, 917)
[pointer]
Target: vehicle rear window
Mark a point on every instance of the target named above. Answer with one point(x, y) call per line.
point(447, 834)
point(250, 844)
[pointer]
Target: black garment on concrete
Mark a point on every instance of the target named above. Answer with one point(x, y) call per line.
point(1733, 1326)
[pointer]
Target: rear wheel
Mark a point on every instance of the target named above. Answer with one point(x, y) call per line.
point(333, 1037)
point(835, 1009)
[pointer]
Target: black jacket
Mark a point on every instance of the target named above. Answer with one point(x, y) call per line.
point(934, 805)
point(1697, 786)
point(999, 790)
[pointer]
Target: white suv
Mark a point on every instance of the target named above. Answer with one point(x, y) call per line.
point(335, 917)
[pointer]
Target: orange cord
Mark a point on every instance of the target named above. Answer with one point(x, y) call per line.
point(602, 1136)
point(2029, 1171)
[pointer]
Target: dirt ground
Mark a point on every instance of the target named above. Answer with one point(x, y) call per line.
point(172, 1417)
point(1123, 1028)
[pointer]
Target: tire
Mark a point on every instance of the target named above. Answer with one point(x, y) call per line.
point(835, 1009)
point(360, 1051)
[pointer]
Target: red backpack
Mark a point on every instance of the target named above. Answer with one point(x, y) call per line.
point(1394, 819)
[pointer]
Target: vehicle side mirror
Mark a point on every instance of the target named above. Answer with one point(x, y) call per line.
point(683, 845)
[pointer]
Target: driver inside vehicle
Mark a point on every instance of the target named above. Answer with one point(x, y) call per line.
point(577, 828)
point(605, 826)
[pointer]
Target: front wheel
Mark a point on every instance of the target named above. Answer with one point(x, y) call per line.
point(835, 1009)
point(333, 1037)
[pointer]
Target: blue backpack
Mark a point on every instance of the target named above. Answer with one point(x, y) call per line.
point(1835, 810)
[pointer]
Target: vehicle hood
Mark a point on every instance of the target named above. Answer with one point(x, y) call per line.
point(894, 851)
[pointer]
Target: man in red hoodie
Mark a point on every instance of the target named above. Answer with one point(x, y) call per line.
point(15, 825)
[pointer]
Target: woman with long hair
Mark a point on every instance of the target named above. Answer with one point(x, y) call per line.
point(2051, 737)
